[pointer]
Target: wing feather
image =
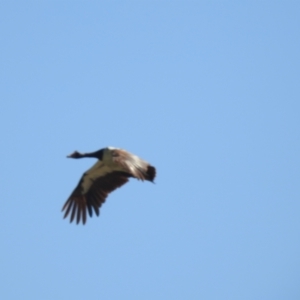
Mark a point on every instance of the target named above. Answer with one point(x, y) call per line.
point(79, 204)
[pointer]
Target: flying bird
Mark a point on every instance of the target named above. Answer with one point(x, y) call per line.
point(113, 169)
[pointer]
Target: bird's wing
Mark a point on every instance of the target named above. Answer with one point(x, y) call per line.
point(134, 165)
point(78, 203)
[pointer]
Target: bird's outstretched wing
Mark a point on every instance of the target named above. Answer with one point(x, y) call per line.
point(79, 204)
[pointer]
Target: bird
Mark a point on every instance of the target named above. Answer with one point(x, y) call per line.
point(112, 170)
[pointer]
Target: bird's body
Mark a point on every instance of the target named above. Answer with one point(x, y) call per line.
point(112, 170)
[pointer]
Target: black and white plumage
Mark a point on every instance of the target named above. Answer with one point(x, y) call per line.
point(113, 169)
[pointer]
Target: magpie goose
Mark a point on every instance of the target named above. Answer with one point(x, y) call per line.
point(113, 169)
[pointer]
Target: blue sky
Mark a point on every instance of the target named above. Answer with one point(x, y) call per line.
point(206, 91)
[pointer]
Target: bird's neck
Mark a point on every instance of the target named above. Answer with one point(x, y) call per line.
point(97, 154)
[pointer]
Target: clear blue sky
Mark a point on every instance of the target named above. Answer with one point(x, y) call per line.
point(208, 92)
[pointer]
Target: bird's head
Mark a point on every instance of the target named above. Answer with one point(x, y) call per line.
point(75, 154)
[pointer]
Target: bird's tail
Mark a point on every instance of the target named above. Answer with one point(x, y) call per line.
point(151, 173)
